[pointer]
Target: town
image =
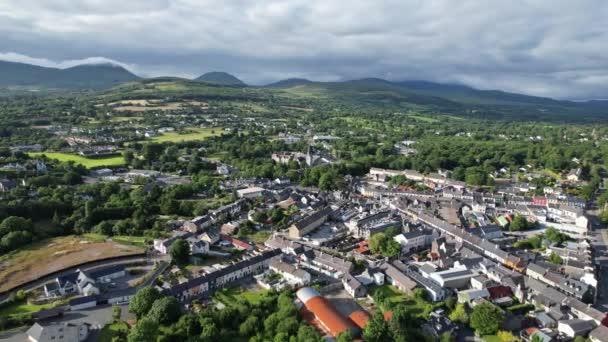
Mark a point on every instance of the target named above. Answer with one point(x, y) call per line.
point(527, 257)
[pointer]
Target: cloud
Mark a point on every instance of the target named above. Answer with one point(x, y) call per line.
point(19, 58)
point(550, 48)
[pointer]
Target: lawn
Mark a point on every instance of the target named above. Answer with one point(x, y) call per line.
point(417, 306)
point(111, 330)
point(51, 255)
point(137, 241)
point(22, 307)
point(259, 237)
point(86, 162)
point(390, 292)
point(193, 134)
point(231, 296)
point(491, 338)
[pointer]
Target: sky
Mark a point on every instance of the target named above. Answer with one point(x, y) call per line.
point(554, 48)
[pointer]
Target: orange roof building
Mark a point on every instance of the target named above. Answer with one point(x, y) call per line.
point(360, 318)
point(330, 318)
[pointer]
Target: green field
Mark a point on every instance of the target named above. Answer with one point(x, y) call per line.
point(111, 330)
point(193, 134)
point(86, 162)
point(422, 118)
point(419, 307)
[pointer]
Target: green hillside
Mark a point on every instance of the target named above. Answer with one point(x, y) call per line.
point(220, 78)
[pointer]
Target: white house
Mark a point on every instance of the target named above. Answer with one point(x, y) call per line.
point(293, 275)
point(575, 327)
point(58, 332)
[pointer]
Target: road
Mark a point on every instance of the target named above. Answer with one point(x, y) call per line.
point(598, 237)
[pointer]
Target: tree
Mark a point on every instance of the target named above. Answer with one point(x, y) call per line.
point(165, 311)
point(555, 235)
point(249, 327)
point(459, 314)
point(180, 252)
point(507, 336)
point(519, 223)
point(451, 302)
point(380, 243)
point(555, 259)
point(345, 336)
point(209, 330)
point(376, 329)
point(116, 313)
point(188, 325)
point(486, 319)
point(15, 224)
point(141, 303)
point(447, 337)
point(536, 338)
point(307, 334)
point(145, 330)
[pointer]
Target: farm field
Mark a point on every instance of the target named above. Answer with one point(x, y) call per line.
point(86, 162)
point(193, 134)
point(48, 256)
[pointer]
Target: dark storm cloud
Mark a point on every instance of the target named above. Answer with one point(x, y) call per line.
point(550, 48)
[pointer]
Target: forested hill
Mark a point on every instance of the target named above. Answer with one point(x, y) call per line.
point(446, 98)
point(221, 78)
point(86, 76)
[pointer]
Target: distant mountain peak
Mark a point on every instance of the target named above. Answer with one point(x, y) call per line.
point(290, 82)
point(220, 78)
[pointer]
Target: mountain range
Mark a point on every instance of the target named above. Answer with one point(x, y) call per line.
point(86, 76)
point(373, 91)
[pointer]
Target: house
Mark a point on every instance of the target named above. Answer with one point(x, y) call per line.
point(399, 279)
point(369, 277)
point(210, 236)
point(295, 276)
point(457, 277)
point(163, 245)
point(309, 223)
point(325, 263)
point(238, 244)
point(282, 181)
point(7, 185)
point(415, 240)
point(469, 296)
point(207, 284)
point(252, 192)
point(198, 246)
point(437, 325)
point(575, 327)
point(353, 286)
point(107, 274)
point(229, 228)
point(58, 332)
point(575, 175)
point(599, 334)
